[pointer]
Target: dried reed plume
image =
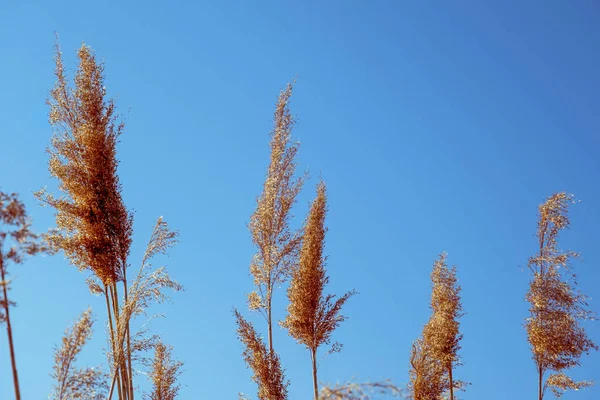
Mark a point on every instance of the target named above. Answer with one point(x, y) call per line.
point(164, 372)
point(427, 379)
point(360, 391)
point(16, 235)
point(442, 331)
point(148, 287)
point(265, 364)
point(269, 224)
point(312, 316)
point(94, 226)
point(71, 382)
point(555, 335)
point(435, 354)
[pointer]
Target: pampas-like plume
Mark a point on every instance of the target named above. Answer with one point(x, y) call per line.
point(71, 382)
point(164, 372)
point(269, 224)
point(94, 226)
point(265, 364)
point(15, 234)
point(312, 316)
point(148, 287)
point(360, 391)
point(435, 354)
point(442, 331)
point(427, 380)
point(555, 335)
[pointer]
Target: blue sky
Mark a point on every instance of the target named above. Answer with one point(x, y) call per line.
point(437, 126)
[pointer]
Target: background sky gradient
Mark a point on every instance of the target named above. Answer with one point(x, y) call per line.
point(437, 126)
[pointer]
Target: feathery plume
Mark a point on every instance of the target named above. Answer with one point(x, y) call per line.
point(427, 380)
point(265, 364)
point(164, 372)
point(269, 224)
point(555, 335)
point(70, 382)
point(442, 331)
point(17, 236)
point(94, 227)
point(148, 287)
point(360, 391)
point(312, 317)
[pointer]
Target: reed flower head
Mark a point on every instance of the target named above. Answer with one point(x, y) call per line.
point(164, 373)
point(427, 379)
point(72, 382)
point(360, 391)
point(94, 227)
point(555, 335)
point(312, 316)
point(16, 231)
point(17, 241)
point(148, 287)
point(265, 364)
point(269, 224)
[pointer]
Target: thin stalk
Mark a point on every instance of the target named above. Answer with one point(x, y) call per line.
point(313, 356)
point(112, 342)
point(121, 344)
point(121, 360)
point(115, 376)
point(112, 386)
point(10, 337)
point(128, 336)
point(451, 382)
point(540, 371)
point(269, 322)
point(540, 379)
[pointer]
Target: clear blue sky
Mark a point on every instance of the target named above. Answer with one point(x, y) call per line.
point(437, 126)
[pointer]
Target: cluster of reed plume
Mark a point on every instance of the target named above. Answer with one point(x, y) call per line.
point(94, 229)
